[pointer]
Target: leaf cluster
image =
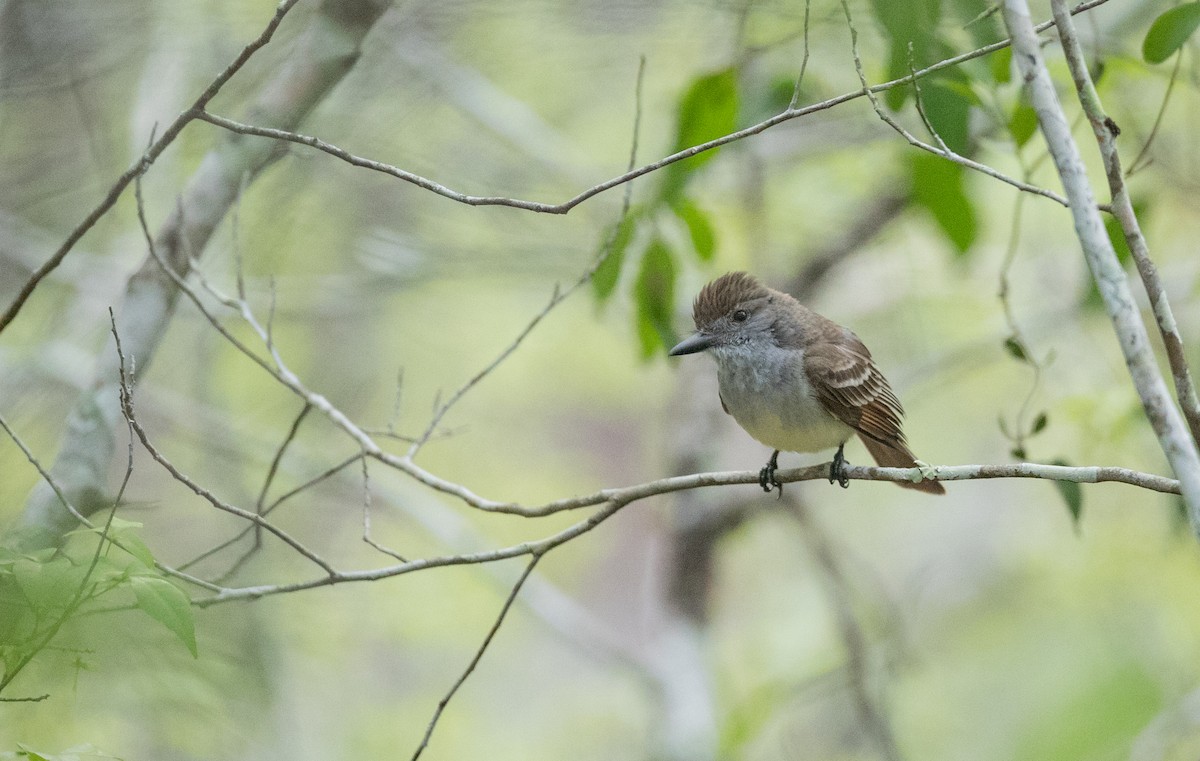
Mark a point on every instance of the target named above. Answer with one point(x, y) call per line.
point(42, 591)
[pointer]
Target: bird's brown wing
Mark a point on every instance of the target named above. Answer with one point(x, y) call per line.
point(853, 390)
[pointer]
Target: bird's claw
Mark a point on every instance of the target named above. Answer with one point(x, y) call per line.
point(766, 476)
point(837, 469)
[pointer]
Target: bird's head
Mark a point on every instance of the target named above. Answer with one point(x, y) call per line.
point(733, 310)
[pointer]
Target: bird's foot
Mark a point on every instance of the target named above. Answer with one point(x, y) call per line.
point(837, 469)
point(766, 476)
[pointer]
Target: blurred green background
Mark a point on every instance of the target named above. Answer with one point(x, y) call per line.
point(988, 624)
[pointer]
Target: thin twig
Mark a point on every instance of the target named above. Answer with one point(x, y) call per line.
point(632, 174)
point(1142, 160)
point(441, 707)
point(872, 714)
point(143, 163)
point(36, 699)
point(45, 474)
point(366, 515)
point(559, 295)
point(613, 500)
point(803, 61)
point(944, 151)
point(1019, 433)
point(274, 468)
point(218, 503)
point(328, 473)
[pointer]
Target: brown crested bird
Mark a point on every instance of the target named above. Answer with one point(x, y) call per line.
point(795, 380)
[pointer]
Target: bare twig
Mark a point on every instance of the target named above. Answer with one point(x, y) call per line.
point(328, 473)
point(1106, 132)
point(1110, 279)
point(612, 500)
point(138, 169)
point(803, 61)
point(512, 596)
point(632, 174)
point(559, 295)
point(45, 474)
point(941, 149)
point(366, 515)
point(274, 468)
point(220, 504)
point(1142, 160)
point(872, 714)
point(1019, 433)
point(36, 699)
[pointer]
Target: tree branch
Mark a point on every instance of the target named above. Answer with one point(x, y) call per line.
point(1173, 436)
point(143, 163)
point(562, 208)
point(1106, 132)
point(326, 51)
point(512, 596)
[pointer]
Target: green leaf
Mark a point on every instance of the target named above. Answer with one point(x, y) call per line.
point(48, 586)
point(604, 279)
point(1040, 423)
point(938, 186)
point(704, 238)
point(1015, 349)
point(1023, 123)
point(947, 103)
point(1116, 236)
point(1072, 494)
point(654, 293)
point(1001, 65)
point(133, 544)
point(706, 111)
point(165, 603)
point(1169, 31)
point(908, 22)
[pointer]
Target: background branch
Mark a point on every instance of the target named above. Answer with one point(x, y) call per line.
point(1106, 131)
point(156, 148)
point(1173, 436)
point(327, 50)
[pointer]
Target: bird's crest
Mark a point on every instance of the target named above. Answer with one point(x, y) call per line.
point(722, 295)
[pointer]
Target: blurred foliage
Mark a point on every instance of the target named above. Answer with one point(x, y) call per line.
point(1170, 31)
point(1003, 625)
point(41, 592)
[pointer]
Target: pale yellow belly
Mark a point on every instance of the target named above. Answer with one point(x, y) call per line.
point(803, 430)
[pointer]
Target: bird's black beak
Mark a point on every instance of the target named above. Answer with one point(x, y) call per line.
point(694, 343)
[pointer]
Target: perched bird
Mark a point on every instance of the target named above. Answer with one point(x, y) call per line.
point(795, 380)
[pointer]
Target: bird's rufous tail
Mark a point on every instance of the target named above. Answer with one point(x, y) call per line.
point(899, 456)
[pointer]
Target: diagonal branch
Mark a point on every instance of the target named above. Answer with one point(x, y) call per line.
point(1106, 132)
point(322, 56)
point(512, 596)
point(143, 163)
point(1110, 278)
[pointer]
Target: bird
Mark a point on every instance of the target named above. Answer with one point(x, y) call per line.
point(796, 381)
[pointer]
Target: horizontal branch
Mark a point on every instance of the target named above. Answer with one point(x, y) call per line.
point(614, 499)
point(564, 207)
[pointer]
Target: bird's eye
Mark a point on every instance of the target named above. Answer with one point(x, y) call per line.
point(740, 315)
